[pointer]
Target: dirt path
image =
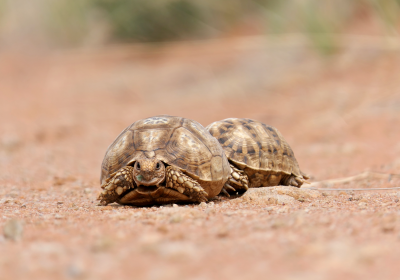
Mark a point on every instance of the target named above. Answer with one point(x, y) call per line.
point(60, 112)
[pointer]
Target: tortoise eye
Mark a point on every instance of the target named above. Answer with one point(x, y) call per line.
point(158, 165)
point(137, 165)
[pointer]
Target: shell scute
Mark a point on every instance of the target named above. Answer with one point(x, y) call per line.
point(151, 139)
point(158, 122)
point(210, 142)
point(186, 146)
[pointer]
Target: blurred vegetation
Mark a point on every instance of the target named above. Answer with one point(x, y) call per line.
point(152, 20)
point(389, 13)
point(77, 22)
point(69, 22)
point(2, 9)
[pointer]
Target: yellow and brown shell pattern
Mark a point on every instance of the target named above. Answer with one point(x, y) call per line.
point(259, 150)
point(178, 142)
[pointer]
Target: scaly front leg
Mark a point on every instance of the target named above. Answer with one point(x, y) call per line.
point(118, 183)
point(177, 180)
point(238, 181)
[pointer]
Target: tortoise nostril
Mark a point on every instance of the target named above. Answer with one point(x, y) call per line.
point(137, 165)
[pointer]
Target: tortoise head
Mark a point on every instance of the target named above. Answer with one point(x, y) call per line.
point(148, 172)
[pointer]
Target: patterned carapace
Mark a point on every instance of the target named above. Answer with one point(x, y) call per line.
point(178, 142)
point(258, 149)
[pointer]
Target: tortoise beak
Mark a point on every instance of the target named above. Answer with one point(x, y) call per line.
point(146, 189)
point(143, 182)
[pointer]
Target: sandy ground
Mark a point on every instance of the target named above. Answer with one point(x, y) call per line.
point(60, 111)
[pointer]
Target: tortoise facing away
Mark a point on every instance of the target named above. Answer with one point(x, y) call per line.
point(258, 154)
point(163, 159)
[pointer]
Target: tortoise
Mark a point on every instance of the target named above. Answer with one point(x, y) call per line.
point(161, 160)
point(258, 155)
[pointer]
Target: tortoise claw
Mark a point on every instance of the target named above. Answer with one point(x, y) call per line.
point(225, 192)
point(229, 187)
point(238, 181)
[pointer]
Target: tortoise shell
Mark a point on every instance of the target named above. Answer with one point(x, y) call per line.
point(257, 149)
point(179, 142)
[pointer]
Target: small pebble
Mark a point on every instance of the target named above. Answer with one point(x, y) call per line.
point(203, 205)
point(102, 244)
point(210, 211)
point(74, 271)
point(87, 190)
point(13, 230)
point(362, 205)
point(176, 219)
point(268, 209)
point(175, 205)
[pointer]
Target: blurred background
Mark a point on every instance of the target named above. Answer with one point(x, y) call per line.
point(45, 24)
point(74, 74)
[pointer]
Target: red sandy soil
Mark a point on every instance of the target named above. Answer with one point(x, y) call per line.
point(340, 114)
